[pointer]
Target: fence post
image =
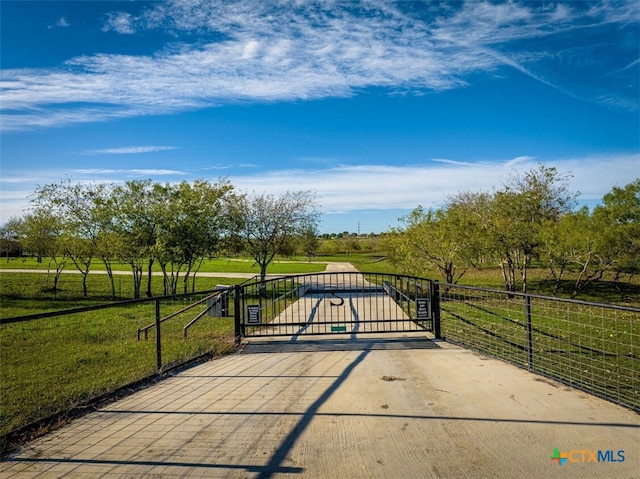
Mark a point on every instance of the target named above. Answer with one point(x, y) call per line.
point(237, 314)
point(158, 339)
point(527, 299)
point(435, 308)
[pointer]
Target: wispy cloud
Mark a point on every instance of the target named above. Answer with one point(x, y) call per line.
point(119, 22)
point(130, 150)
point(353, 188)
point(288, 50)
point(150, 172)
point(25, 179)
point(349, 188)
point(61, 23)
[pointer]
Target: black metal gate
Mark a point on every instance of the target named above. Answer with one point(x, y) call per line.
point(336, 303)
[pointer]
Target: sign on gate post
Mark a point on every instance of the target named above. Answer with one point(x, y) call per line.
point(218, 306)
point(422, 309)
point(253, 314)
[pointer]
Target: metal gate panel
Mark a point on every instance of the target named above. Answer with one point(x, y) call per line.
point(334, 303)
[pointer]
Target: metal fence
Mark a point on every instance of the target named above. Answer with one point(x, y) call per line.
point(53, 362)
point(590, 346)
point(334, 303)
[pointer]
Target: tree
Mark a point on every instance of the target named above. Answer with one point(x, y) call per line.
point(136, 224)
point(619, 219)
point(266, 222)
point(438, 238)
point(574, 241)
point(10, 233)
point(190, 228)
point(75, 204)
point(308, 241)
point(517, 213)
point(42, 234)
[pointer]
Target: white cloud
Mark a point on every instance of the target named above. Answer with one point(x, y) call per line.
point(130, 172)
point(282, 51)
point(119, 22)
point(62, 22)
point(368, 188)
point(130, 150)
point(381, 187)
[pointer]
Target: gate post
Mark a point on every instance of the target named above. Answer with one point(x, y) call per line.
point(237, 314)
point(158, 338)
point(527, 299)
point(435, 308)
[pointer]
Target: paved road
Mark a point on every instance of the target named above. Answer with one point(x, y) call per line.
point(371, 408)
point(124, 273)
point(209, 274)
point(336, 407)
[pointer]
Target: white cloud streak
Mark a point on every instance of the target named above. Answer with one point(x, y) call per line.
point(130, 150)
point(288, 50)
point(381, 187)
point(147, 172)
point(350, 189)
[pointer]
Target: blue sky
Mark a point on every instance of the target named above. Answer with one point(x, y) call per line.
point(376, 106)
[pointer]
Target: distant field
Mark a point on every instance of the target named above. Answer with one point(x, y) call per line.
point(27, 293)
point(217, 265)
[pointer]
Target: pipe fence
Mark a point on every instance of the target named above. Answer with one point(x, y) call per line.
point(590, 346)
point(55, 362)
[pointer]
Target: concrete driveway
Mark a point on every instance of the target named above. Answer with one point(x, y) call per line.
point(374, 407)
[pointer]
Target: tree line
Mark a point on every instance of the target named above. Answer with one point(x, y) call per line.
point(533, 219)
point(144, 223)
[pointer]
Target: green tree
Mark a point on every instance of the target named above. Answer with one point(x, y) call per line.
point(619, 220)
point(517, 214)
point(136, 223)
point(308, 241)
point(10, 234)
point(42, 234)
point(191, 228)
point(266, 222)
point(433, 238)
point(75, 204)
point(574, 242)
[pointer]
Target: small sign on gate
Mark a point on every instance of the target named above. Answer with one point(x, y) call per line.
point(253, 314)
point(422, 308)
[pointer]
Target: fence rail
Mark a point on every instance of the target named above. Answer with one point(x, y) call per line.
point(591, 346)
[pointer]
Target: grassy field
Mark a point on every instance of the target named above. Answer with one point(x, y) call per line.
point(27, 293)
point(52, 364)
